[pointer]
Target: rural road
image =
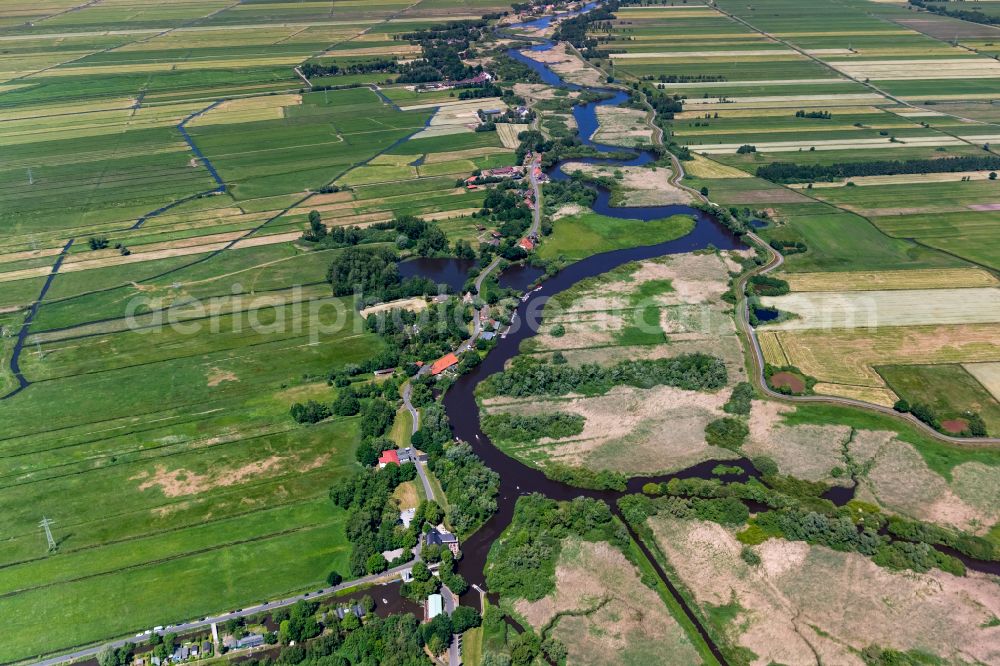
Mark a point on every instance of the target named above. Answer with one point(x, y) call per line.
point(206, 622)
point(743, 319)
point(455, 649)
point(536, 222)
point(415, 419)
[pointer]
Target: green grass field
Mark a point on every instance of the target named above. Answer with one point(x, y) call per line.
point(948, 389)
point(577, 236)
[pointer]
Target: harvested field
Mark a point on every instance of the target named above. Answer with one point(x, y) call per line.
point(899, 70)
point(988, 374)
point(791, 609)
point(884, 308)
point(902, 179)
point(702, 167)
point(832, 144)
point(508, 133)
point(872, 394)
point(928, 278)
point(845, 356)
point(604, 614)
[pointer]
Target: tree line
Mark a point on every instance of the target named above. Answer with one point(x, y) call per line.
point(788, 172)
point(529, 376)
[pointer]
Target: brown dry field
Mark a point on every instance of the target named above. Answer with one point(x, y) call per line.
point(898, 479)
point(702, 167)
point(629, 430)
point(807, 452)
point(641, 186)
point(929, 278)
point(622, 127)
point(567, 64)
point(620, 620)
point(812, 605)
point(508, 133)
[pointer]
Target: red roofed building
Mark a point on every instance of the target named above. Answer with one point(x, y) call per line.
point(443, 363)
point(388, 457)
point(526, 244)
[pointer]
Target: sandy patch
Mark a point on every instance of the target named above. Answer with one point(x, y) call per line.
point(620, 620)
point(182, 482)
point(811, 605)
point(567, 64)
point(414, 304)
point(216, 376)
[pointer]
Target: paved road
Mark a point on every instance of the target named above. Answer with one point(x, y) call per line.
point(477, 325)
point(536, 222)
point(415, 418)
point(205, 623)
point(455, 649)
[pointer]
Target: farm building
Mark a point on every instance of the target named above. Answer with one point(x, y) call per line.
point(434, 606)
point(443, 364)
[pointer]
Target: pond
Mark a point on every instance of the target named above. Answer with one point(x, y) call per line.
point(448, 271)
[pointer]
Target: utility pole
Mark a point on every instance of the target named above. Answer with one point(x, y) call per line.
point(48, 533)
point(31, 179)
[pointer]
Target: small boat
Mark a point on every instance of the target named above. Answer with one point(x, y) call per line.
point(538, 288)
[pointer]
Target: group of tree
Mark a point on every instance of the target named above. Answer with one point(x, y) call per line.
point(470, 485)
point(373, 274)
point(821, 115)
point(424, 335)
point(577, 30)
point(411, 233)
point(523, 561)
point(315, 69)
point(523, 428)
point(975, 426)
point(797, 512)
point(529, 376)
point(372, 519)
point(442, 47)
point(943, 7)
point(788, 172)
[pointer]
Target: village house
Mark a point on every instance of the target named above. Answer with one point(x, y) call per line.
point(389, 457)
point(439, 536)
point(526, 244)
